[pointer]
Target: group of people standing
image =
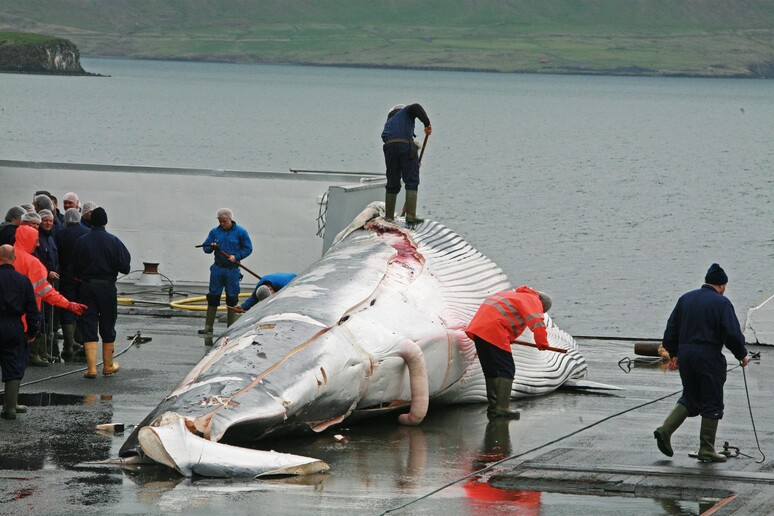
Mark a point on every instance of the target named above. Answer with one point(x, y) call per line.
point(70, 264)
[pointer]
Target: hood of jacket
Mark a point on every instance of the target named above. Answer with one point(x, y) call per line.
point(26, 238)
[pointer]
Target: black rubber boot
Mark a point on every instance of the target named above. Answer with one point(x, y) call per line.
point(491, 394)
point(209, 320)
point(37, 348)
point(390, 199)
point(69, 347)
point(663, 434)
point(10, 400)
point(707, 453)
point(503, 404)
point(411, 208)
point(231, 317)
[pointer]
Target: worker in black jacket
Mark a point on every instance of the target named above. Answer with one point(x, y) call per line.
point(19, 323)
point(702, 322)
point(98, 258)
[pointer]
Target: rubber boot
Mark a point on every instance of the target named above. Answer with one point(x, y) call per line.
point(69, 347)
point(50, 348)
point(209, 321)
point(707, 453)
point(390, 199)
point(79, 354)
point(35, 357)
point(411, 208)
point(109, 366)
point(90, 349)
point(11, 397)
point(231, 317)
point(663, 434)
point(503, 403)
point(491, 395)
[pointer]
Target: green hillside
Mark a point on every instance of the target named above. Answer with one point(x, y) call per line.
point(642, 37)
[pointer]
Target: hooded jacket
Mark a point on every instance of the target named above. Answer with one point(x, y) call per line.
point(502, 317)
point(26, 263)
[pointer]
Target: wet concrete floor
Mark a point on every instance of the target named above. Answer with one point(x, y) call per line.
point(570, 453)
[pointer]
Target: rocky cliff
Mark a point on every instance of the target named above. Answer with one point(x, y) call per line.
point(25, 53)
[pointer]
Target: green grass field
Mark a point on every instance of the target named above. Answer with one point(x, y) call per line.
point(658, 37)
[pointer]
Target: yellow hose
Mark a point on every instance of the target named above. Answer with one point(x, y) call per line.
point(188, 303)
point(185, 304)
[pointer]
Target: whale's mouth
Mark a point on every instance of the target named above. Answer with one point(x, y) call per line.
point(172, 441)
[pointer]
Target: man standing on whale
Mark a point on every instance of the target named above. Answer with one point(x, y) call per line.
point(402, 159)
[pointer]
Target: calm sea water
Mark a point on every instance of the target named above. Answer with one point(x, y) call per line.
point(612, 194)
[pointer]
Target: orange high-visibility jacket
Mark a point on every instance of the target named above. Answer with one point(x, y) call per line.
point(504, 316)
point(30, 266)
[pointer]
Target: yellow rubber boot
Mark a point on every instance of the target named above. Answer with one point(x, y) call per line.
point(109, 366)
point(90, 349)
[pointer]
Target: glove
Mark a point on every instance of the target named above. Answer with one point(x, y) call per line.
point(214, 245)
point(76, 308)
point(542, 347)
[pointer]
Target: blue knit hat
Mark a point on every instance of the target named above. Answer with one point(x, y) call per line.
point(716, 275)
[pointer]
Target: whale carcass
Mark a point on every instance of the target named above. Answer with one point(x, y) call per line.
point(376, 325)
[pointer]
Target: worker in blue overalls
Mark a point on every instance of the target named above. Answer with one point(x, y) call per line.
point(230, 244)
point(269, 284)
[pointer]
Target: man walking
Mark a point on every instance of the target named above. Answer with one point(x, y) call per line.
point(700, 324)
point(98, 258)
point(497, 323)
point(17, 299)
point(230, 244)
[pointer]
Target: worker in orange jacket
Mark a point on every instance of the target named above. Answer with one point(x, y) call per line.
point(26, 263)
point(499, 320)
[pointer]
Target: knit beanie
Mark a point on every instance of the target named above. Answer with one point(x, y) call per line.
point(98, 217)
point(716, 275)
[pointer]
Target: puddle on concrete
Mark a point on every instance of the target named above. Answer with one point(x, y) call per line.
point(52, 399)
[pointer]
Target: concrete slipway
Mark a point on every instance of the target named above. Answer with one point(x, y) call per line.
point(570, 453)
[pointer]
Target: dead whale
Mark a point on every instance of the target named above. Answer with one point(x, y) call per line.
point(376, 325)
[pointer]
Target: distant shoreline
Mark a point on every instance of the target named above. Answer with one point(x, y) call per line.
point(567, 71)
